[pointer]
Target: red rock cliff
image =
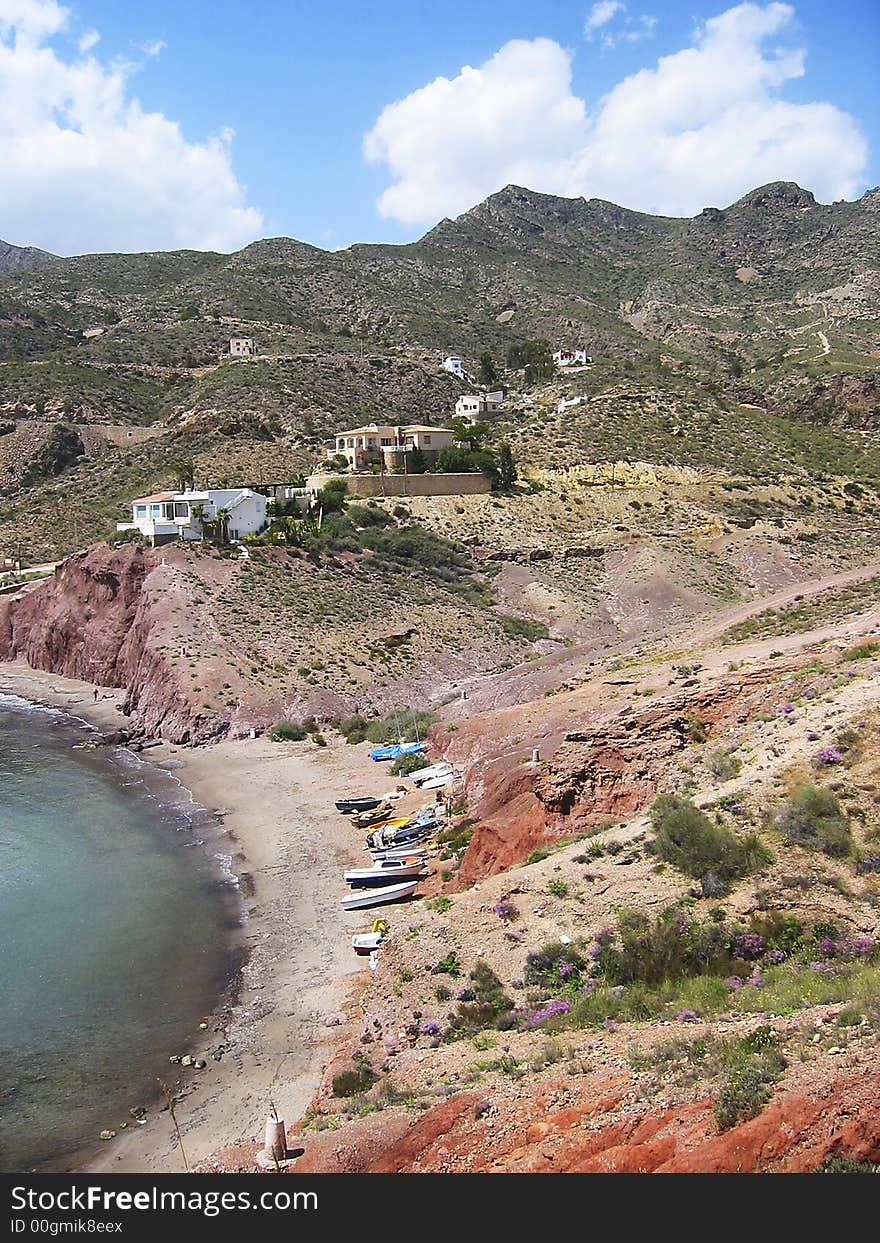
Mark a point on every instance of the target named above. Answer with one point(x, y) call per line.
point(94, 620)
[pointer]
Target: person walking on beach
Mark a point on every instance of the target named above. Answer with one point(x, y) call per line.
point(96, 694)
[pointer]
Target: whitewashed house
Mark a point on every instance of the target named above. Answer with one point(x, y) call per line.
point(454, 365)
point(242, 347)
point(472, 406)
point(572, 358)
point(167, 516)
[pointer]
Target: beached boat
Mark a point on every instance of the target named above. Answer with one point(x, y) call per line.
point(384, 871)
point(348, 806)
point(395, 750)
point(369, 942)
point(437, 783)
point(400, 852)
point(366, 942)
point(425, 774)
point(367, 819)
point(377, 897)
point(380, 839)
point(387, 822)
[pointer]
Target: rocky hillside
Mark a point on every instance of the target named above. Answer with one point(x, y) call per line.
point(19, 258)
point(746, 335)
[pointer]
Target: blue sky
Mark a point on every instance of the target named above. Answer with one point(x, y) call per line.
point(302, 85)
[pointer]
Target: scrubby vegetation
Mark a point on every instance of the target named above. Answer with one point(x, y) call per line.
point(813, 819)
point(704, 849)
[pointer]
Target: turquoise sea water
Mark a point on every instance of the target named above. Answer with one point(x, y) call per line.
point(114, 933)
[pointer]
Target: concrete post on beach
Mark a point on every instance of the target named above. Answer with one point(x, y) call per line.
point(275, 1141)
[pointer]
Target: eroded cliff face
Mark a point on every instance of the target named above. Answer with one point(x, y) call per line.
point(599, 765)
point(95, 619)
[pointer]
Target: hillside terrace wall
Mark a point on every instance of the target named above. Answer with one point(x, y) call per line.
point(363, 486)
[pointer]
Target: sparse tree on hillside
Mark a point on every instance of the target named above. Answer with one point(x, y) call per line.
point(472, 434)
point(533, 357)
point(488, 370)
point(184, 473)
point(506, 465)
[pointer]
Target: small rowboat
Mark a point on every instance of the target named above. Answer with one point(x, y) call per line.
point(385, 826)
point(367, 819)
point(421, 775)
point(437, 783)
point(369, 942)
point(384, 871)
point(377, 897)
point(349, 805)
point(400, 852)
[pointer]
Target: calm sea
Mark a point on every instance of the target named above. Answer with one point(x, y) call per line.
point(115, 918)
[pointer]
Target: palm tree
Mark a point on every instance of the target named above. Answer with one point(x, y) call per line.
point(221, 521)
point(184, 473)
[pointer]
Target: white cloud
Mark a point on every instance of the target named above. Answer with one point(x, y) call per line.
point(701, 127)
point(600, 15)
point(601, 20)
point(84, 167)
point(153, 48)
point(87, 41)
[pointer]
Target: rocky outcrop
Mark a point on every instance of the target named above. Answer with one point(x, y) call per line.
point(609, 768)
point(553, 1129)
point(94, 620)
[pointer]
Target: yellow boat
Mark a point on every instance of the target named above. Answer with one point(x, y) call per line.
point(397, 823)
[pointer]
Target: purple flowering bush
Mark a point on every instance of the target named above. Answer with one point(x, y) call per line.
point(555, 967)
point(505, 910)
point(559, 1005)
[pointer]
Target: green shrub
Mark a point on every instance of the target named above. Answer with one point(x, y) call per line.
point(523, 628)
point(813, 818)
point(755, 1067)
point(483, 1003)
point(710, 852)
point(352, 1082)
point(406, 764)
point(848, 1165)
point(670, 947)
point(448, 965)
point(354, 728)
point(723, 764)
point(288, 731)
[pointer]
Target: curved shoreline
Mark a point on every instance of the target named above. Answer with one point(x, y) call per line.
point(277, 1027)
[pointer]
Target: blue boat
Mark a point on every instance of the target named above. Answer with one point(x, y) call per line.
point(395, 750)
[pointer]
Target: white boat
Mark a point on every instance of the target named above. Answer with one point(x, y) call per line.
point(376, 897)
point(436, 783)
point(400, 852)
point(384, 870)
point(366, 942)
point(433, 770)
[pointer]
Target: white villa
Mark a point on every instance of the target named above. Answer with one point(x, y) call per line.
point(383, 442)
point(472, 406)
point(572, 358)
point(454, 365)
point(242, 347)
point(167, 516)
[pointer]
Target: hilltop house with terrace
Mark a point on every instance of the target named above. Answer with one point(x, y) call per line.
point(387, 446)
point(167, 516)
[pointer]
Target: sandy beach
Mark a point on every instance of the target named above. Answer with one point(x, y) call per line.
point(288, 846)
